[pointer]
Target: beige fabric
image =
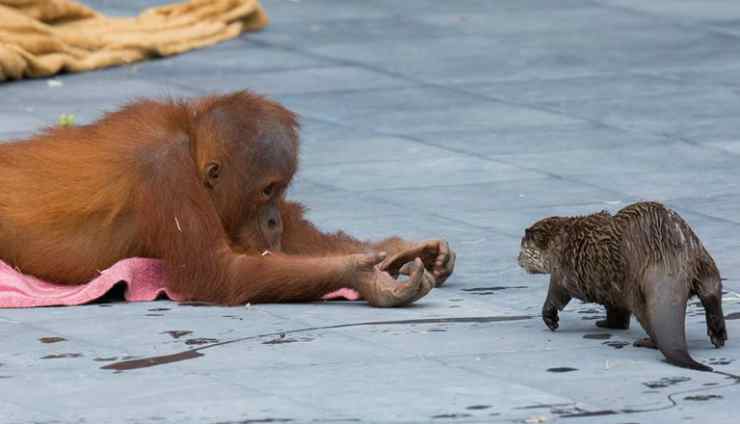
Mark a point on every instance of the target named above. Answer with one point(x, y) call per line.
point(43, 37)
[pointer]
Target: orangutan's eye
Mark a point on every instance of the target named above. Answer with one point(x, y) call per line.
point(267, 191)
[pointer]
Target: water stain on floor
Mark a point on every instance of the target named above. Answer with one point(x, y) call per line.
point(593, 317)
point(665, 382)
point(450, 416)
point(282, 340)
point(590, 413)
point(616, 344)
point(109, 359)
point(734, 315)
point(597, 336)
point(152, 361)
point(478, 407)
point(720, 361)
point(487, 291)
point(176, 334)
point(544, 405)
point(158, 309)
point(48, 340)
point(125, 365)
point(200, 341)
point(702, 398)
point(562, 369)
point(62, 355)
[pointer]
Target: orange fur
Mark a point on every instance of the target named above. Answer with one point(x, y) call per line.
point(77, 200)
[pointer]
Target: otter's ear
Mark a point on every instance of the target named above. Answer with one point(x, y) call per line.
point(211, 174)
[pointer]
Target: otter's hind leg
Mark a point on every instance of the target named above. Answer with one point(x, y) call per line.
point(618, 318)
point(709, 290)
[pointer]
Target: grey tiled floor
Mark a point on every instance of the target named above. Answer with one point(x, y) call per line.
point(466, 120)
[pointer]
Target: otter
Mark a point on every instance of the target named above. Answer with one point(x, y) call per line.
point(644, 260)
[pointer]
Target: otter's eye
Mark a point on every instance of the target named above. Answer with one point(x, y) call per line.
point(267, 191)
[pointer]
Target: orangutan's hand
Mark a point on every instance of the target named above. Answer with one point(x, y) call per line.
point(380, 289)
point(436, 255)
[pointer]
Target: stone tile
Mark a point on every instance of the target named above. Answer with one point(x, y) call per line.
point(667, 183)
point(330, 31)
point(604, 87)
point(286, 81)
point(691, 10)
point(731, 146)
point(452, 169)
point(631, 159)
point(685, 113)
point(350, 104)
point(533, 18)
point(241, 55)
point(550, 139)
point(359, 147)
point(514, 194)
point(446, 390)
point(456, 59)
point(725, 207)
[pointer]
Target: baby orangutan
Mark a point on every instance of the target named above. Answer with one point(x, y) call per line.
point(201, 185)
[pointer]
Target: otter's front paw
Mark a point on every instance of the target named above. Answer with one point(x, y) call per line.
point(550, 316)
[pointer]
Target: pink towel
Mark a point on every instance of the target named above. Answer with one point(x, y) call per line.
point(143, 278)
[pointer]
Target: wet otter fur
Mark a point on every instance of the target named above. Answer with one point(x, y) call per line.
point(644, 260)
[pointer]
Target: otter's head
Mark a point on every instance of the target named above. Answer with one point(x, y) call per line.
point(541, 245)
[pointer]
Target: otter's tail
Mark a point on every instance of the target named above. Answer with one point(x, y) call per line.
point(665, 298)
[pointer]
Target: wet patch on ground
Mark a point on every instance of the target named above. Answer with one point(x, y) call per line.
point(152, 361)
point(62, 355)
point(593, 317)
point(597, 336)
point(125, 364)
point(282, 339)
point(49, 340)
point(176, 334)
point(665, 382)
point(450, 416)
point(702, 398)
point(583, 413)
point(200, 341)
point(720, 361)
point(616, 344)
point(487, 291)
point(562, 369)
point(544, 405)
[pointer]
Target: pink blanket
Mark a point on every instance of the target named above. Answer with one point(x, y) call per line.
point(144, 280)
